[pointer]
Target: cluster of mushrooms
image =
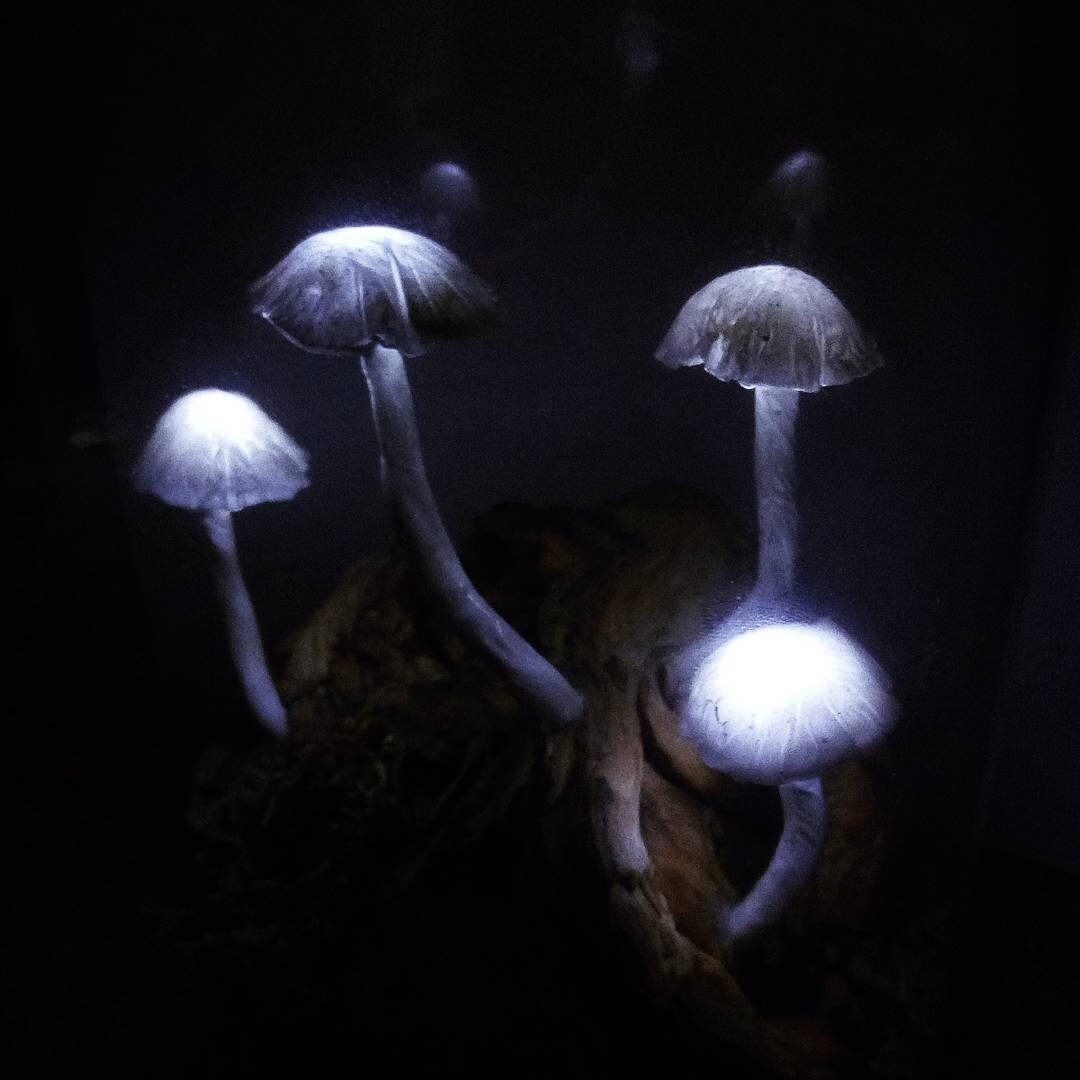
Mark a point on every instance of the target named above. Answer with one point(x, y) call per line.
point(765, 697)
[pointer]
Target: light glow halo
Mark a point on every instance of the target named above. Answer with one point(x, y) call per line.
point(785, 701)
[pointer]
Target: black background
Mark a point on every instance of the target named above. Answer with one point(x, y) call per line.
point(621, 155)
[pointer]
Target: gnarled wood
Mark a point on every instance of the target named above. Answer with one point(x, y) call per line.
point(380, 686)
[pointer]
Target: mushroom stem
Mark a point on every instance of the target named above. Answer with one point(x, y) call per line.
point(245, 642)
point(792, 863)
point(775, 411)
point(413, 504)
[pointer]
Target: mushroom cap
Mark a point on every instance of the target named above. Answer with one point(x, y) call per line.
point(785, 701)
point(215, 450)
point(341, 291)
point(769, 326)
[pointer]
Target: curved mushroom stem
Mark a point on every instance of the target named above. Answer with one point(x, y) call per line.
point(413, 503)
point(775, 411)
point(245, 642)
point(792, 863)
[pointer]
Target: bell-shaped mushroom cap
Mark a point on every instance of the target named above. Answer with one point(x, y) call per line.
point(769, 326)
point(784, 701)
point(339, 292)
point(214, 450)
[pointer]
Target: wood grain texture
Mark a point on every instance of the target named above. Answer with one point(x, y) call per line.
point(412, 759)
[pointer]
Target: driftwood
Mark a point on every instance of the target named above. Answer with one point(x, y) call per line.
point(409, 751)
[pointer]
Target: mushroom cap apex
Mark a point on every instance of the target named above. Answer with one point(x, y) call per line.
point(350, 237)
point(341, 291)
point(769, 326)
point(785, 701)
point(217, 450)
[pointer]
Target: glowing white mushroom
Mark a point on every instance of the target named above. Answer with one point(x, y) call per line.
point(377, 294)
point(217, 452)
point(779, 332)
point(779, 704)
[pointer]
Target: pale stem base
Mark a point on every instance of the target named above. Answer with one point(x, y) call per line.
point(245, 642)
point(791, 866)
point(412, 502)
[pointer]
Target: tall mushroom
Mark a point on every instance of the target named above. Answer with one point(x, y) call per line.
point(779, 332)
point(217, 452)
point(378, 295)
point(778, 704)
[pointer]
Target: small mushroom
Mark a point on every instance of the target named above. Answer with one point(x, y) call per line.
point(377, 294)
point(449, 197)
point(785, 213)
point(778, 704)
point(217, 452)
point(779, 332)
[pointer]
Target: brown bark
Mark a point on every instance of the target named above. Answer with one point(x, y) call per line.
point(379, 682)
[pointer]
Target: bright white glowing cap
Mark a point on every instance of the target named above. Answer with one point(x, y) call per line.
point(339, 292)
point(785, 701)
point(214, 450)
point(769, 326)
